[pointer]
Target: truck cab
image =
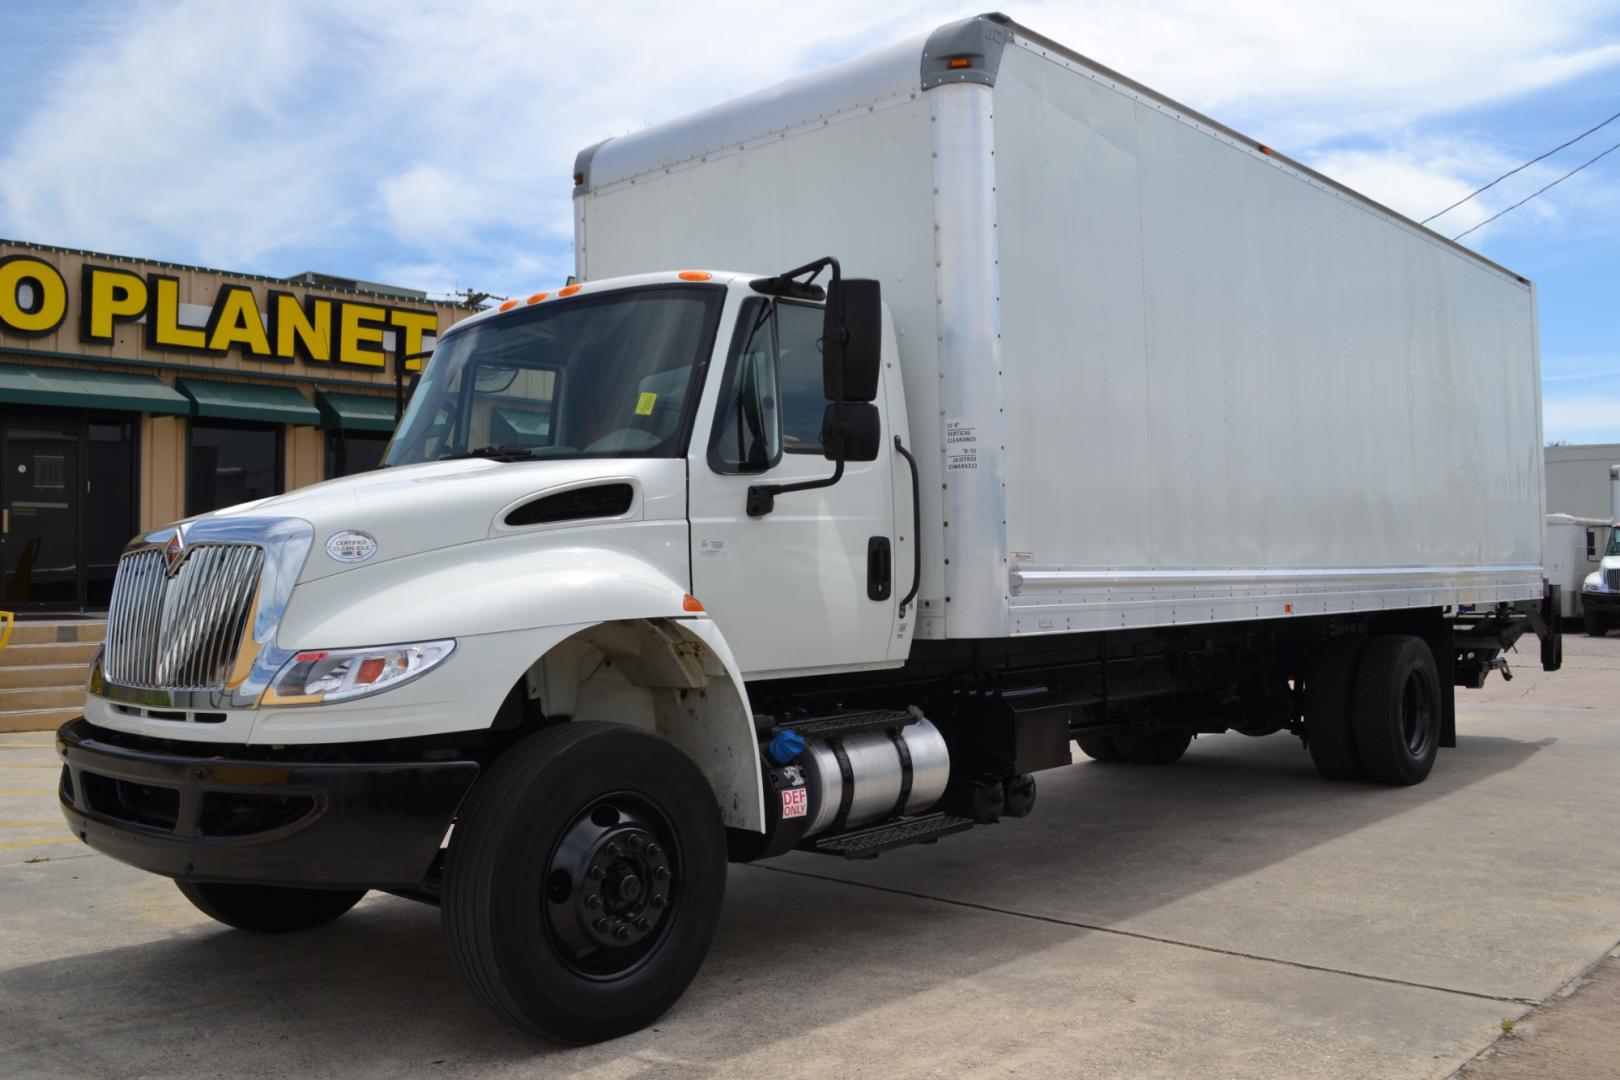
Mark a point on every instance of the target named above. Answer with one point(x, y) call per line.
point(1600, 591)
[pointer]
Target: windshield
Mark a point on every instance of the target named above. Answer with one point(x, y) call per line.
point(1614, 543)
point(595, 376)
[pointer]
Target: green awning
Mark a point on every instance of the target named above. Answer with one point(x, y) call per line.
point(249, 401)
point(24, 384)
point(355, 412)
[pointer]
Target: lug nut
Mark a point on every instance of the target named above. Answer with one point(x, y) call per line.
point(621, 932)
point(593, 901)
point(602, 925)
point(653, 851)
point(611, 851)
point(658, 900)
point(661, 872)
point(597, 873)
point(642, 923)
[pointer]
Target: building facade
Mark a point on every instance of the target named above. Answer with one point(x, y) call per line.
point(134, 393)
point(1578, 480)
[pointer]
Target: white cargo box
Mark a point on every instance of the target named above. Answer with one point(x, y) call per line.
point(1156, 373)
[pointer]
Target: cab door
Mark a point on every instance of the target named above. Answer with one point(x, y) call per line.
point(811, 585)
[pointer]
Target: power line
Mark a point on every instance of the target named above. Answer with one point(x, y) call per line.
point(1521, 168)
point(1533, 194)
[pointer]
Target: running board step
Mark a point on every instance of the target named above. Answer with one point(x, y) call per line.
point(871, 841)
point(842, 724)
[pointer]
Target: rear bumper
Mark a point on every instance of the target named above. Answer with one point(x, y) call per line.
point(270, 821)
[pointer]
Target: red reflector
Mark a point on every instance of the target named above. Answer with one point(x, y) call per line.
point(310, 657)
point(959, 62)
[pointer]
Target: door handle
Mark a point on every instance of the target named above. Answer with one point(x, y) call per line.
point(879, 568)
point(916, 526)
point(5, 520)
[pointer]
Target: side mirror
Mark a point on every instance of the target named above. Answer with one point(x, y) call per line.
point(852, 340)
point(858, 433)
point(1591, 546)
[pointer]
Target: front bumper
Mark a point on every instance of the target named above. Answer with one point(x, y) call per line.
point(1606, 604)
point(187, 813)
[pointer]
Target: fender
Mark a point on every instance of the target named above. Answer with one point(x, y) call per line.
point(523, 612)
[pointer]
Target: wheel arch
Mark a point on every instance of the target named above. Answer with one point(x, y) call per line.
point(675, 677)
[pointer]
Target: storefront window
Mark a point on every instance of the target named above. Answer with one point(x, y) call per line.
point(231, 463)
point(350, 452)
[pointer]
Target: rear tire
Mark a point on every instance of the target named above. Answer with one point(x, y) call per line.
point(583, 883)
point(1397, 709)
point(1160, 748)
point(1099, 748)
point(269, 909)
point(1329, 734)
point(1596, 625)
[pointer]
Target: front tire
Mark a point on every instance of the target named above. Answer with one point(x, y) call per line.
point(269, 909)
point(1099, 748)
point(583, 883)
point(1596, 625)
point(1396, 709)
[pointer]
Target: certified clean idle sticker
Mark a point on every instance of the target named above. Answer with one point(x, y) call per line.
point(351, 545)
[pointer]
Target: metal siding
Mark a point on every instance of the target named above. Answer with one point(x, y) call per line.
point(857, 188)
point(1213, 365)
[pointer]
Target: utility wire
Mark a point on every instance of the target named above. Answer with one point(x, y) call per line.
point(1521, 168)
point(1533, 194)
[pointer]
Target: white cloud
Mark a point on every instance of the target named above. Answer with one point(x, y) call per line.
point(254, 135)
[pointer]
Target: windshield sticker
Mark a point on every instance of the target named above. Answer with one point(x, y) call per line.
point(644, 405)
point(351, 546)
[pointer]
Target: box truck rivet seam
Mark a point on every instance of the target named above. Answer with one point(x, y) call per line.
point(833, 502)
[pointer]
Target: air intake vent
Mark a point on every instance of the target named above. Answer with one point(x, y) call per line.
point(602, 501)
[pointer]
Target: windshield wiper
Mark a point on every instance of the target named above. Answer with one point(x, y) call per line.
point(500, 453)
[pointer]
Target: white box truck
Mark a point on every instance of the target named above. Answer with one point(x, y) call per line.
point(1078, 418)
point(1583, 559)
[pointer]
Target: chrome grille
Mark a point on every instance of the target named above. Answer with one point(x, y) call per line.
point(1614, 580)
point(181, 631)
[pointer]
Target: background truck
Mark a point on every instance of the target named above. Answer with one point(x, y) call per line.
point(1583, 557)
point(1077, 418)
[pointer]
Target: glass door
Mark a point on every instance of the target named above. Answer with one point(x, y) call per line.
point(41, 512)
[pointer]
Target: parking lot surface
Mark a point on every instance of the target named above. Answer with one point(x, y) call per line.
point(1230, 915)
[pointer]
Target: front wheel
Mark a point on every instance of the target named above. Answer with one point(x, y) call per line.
point(269, 909)
point(1160, 748)
point(1596, 625)
point(583, 883)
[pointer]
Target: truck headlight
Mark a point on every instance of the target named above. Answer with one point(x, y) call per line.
point(318, 676)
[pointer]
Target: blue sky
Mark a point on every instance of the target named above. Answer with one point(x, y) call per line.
point(430, 146)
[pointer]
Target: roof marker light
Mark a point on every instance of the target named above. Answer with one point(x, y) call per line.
point(694, 275)
point(569, 290)
point(508, 306)
point(537, 297)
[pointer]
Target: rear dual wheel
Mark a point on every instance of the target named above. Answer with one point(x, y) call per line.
point(1373, 708)
point(1160, 748)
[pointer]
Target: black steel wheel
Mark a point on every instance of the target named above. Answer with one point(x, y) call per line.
point(1160, 748)
point(583, 882)
point(1099, 748)
point(1396, 709)
point(1329, 732)
point(1595, 624)
point(269, 909)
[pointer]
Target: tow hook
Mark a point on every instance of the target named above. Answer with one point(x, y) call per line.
point(1500, 663)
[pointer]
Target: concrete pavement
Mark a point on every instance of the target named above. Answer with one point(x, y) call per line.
point(1231, 915)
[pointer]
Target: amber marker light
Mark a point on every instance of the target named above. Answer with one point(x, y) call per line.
point(569, 290)
point(509, 305)
point(694, 275)
point(958, 63)
point(537, 297)
point(691, 603)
